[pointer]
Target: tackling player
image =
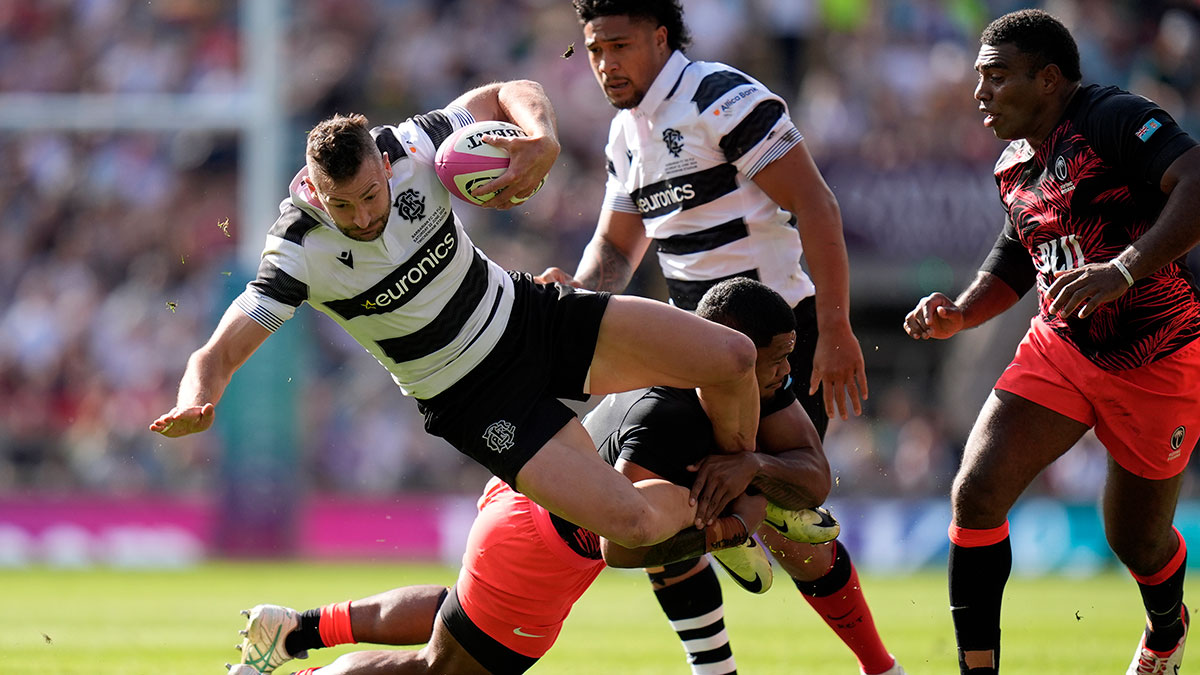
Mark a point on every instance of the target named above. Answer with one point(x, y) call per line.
point(1102, 191)
point(368, 238)
point(524, 568)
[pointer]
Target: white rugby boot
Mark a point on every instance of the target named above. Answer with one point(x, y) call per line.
point(266, 628)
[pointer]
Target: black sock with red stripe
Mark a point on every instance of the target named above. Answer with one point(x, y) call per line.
point(980, 562)
point(1162, 594)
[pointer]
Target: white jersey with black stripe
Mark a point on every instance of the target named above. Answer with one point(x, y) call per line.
point(421, 298)
point(684, 159)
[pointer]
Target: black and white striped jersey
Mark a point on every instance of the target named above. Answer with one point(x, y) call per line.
point(684, 158)
point(421, 298)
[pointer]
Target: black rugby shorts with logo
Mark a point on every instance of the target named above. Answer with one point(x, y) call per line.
point(503, 411)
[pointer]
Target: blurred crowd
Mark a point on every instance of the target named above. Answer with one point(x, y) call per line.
point(118, 249)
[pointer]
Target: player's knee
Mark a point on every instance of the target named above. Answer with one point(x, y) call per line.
point(1143, 551)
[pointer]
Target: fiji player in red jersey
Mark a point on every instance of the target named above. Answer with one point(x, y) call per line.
point(1102, 190)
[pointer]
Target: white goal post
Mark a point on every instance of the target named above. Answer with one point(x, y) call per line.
point(255, 113)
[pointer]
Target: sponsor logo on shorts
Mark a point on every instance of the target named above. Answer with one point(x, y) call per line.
point(522, 633)
point(1176, 442)
point(500, 436)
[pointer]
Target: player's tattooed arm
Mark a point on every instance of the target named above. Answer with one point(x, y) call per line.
point(614, 252)
point(605, 268)
point(787, 495)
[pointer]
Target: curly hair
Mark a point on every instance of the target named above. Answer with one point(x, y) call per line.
point(1039, 35)
point(749, 307)
point(337, 146)
point(667, 13)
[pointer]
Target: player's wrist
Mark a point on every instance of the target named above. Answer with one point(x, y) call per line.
point(1116, 262)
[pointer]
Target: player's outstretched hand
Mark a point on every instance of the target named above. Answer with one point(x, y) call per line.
point(838, 365)
point(720, 478)
point(935, 316)
point(1081, 290)
point(557, 275)
point(183, 421)
point(530, 158)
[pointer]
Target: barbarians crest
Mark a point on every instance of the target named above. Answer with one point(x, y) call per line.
point(674, 141)
point(500, 436)
point(410, 204)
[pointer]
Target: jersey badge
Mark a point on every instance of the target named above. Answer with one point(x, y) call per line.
point(1152, 125)
point(674, 141)
point(1063, 176)
point(500, 436)
point(410, 205)
point(346, 258)
point(1176, 442)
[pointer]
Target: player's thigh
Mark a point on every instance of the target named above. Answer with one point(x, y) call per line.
point(567, 477)
point(1138, 518)
point(644, 343)
point(444, 654)
point(1012, 440)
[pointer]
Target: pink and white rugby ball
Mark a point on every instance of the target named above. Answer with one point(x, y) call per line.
point(464, 162)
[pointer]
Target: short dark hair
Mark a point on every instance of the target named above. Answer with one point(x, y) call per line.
point(749, 307)
point(667, 13)
point(337, 146)
point(1039, 35)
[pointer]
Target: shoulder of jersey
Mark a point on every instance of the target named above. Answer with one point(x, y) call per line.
point(1017, 152)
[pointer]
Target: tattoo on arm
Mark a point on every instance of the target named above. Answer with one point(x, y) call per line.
point(686, 545)
point(610, 270)
point(786, 495)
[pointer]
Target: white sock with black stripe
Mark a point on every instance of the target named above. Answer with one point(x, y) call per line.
point(697, 614)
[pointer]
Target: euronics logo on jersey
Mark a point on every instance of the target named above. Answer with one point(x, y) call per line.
point(500, 436)
point(666, 198)
point(406, 281)
point(427, 265)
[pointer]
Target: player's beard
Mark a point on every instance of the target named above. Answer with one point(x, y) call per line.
point(380, 221)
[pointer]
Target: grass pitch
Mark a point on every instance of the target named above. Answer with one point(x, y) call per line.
point(116, 622)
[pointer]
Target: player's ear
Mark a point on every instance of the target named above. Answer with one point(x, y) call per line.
point(387, 165)
point(1051, 78)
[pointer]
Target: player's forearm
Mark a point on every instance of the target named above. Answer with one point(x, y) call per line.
point(604, 267)
point(795, 479)
point(987, 296)
point(828, 265)
point(1176, 232)
point(525, 104)
point(688, 544)
point(204, 380)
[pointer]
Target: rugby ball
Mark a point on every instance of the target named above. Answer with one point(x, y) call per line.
point(463, 161)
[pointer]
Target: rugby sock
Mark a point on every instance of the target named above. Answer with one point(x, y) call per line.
point(306, 671)
point(322, 627)
point(980, 562)
point(1162, 594)
point(838, 598)
point(695, 610)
